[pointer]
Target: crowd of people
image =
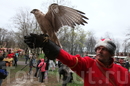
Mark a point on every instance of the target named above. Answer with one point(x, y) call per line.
point(8, 58)
point(124, 62)
point(42, 65)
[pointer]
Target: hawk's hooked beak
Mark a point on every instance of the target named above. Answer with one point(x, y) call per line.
point(31, 11)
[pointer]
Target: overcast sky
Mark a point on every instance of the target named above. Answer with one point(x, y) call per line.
point(105, 16)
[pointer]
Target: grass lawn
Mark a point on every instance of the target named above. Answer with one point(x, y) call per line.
point(53, 80)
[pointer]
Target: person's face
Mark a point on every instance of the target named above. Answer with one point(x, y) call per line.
point(102, 53)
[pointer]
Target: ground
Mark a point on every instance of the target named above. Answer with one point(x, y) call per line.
point(30, 80)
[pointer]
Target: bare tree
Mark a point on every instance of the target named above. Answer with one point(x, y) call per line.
point(72, 40)
point(90, 42)
point(80, 41)
point(25, 23)
point(126, 43)
point(3, 36)
point(6, 38)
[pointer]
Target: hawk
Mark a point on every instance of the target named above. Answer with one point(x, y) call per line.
point(56, 17)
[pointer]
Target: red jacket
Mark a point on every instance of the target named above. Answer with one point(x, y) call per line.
point(87, 68)
point(42, 65)
point(11, 55)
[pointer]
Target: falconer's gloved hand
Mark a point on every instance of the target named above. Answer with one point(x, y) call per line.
point(35, 41)
point(50, 49)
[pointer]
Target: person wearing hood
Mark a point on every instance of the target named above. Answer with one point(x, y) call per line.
point(42, 66)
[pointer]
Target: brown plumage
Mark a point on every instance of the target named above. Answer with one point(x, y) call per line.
point(56, 17)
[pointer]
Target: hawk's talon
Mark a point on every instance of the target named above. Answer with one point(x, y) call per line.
point(46, 39)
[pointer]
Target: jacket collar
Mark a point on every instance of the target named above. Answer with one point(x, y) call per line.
point(101, 64)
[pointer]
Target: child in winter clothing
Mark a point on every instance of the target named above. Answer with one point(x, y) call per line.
point(42, 66)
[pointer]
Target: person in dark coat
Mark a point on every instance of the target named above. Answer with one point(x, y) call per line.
point(127, 65)
point(15, 60)
point(47, 67)
point(30, 65)
point(26, 56)
point(2, 69)
point(37, 68)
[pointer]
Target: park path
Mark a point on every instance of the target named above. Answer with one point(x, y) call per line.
point(21, 63)
point(26, 80)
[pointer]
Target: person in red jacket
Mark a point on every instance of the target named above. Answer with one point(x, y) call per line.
point(10, 54)
point(100, 71)
point(42, 66)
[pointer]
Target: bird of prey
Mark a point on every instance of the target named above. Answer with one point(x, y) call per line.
point(56, 17)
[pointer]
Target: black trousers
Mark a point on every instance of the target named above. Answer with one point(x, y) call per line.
point(36, 73)
point(15, 63)
point(42, 77)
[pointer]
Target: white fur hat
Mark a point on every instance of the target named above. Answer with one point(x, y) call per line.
point(108, 43)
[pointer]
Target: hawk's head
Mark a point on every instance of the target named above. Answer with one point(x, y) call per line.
point(36, 11)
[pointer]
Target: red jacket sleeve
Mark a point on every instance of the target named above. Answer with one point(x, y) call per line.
point(75, 62)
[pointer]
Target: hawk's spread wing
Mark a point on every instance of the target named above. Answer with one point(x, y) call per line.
point(60, 16)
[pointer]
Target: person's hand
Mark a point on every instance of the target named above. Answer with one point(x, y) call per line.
point(50, 48)
point(35, 41)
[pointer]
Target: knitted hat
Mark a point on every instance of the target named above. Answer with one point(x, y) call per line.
point(108, 44)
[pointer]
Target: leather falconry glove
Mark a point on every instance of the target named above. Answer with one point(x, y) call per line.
point(50, 49)
point(34, 40)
